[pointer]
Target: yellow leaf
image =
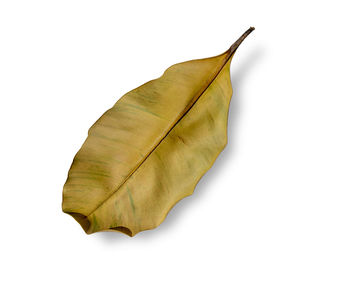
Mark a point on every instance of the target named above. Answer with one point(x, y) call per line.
point(151, 148)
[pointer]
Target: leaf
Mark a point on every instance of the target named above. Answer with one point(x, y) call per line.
point(151, 148)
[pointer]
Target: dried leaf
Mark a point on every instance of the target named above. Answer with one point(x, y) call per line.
point(151, 148)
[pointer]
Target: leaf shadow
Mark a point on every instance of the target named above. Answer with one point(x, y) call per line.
point(239, 75)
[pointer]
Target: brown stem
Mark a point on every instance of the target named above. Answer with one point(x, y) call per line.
point(235, 45)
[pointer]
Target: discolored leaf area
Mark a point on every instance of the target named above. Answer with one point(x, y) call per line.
point(151, 148)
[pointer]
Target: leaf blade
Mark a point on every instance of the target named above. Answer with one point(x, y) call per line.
point(129, 141)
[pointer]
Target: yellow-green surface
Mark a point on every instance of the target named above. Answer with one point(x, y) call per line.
point(151, 148)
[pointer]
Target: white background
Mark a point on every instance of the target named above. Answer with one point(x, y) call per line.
point(275, 206)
